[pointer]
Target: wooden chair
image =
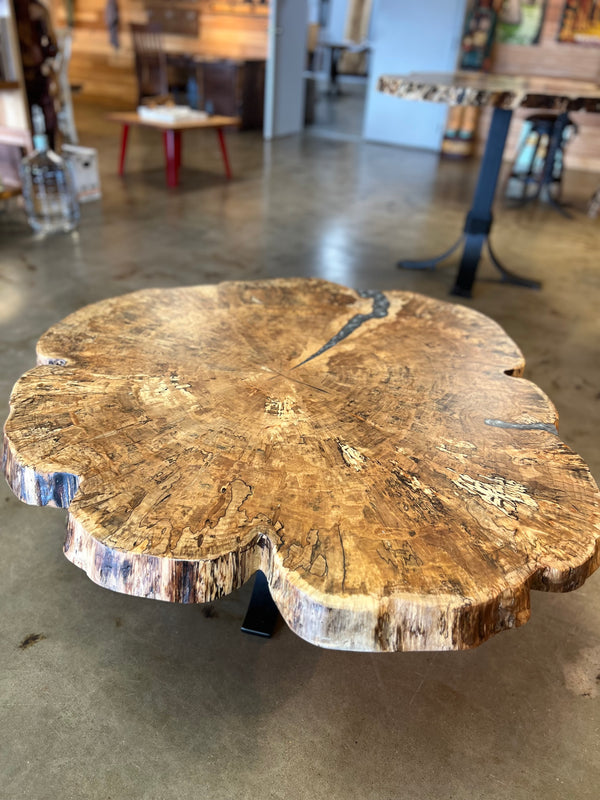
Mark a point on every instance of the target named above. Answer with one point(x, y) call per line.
point(221, 87)
point(150, 61)
point(233, 88)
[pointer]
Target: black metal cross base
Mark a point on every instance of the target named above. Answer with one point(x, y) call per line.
point(262, 614)
point(478, 223)
point(474, 236)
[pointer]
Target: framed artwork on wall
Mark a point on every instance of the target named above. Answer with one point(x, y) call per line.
point(520, 21)
point(580, 23)
point(478, 35)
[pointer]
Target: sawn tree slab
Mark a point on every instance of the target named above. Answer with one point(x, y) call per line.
point(377, 455)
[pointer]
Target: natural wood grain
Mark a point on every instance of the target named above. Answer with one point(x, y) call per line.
point(502, 91)
point(225, 30)
point(374, 454)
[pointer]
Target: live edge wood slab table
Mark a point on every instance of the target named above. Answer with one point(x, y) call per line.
point(377, 456)
point(504, 93)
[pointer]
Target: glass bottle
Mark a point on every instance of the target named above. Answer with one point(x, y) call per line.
point(48, 186)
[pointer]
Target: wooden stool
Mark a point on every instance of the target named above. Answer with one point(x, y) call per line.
point(549, 132)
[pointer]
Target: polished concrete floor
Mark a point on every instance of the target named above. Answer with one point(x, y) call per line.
point(340, 116)
point(122, 698)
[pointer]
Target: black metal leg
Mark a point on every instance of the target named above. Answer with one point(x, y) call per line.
point(508, 276)
point(557, 205)
point(554, 145)
point(479, 219)
point(478, 223)
point(334, 87)
point(429, 263)
point(262, 614)
point(468, 264)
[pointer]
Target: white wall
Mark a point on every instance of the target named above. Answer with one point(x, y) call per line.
point(410, 36)
point(313, 11)
point(284, 79)
point(337, 20)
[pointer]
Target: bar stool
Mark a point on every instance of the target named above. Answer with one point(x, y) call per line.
point(538, 168)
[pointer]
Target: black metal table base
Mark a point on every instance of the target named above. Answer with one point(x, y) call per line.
point(478, 223)
point(262, 614)
point(506, 276)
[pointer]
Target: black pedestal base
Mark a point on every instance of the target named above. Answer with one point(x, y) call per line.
point(262, 614)
point(473, 244)
point(478, 223)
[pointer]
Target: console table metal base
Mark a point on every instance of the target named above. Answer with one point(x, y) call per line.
point(478, 223)
point(471, 255)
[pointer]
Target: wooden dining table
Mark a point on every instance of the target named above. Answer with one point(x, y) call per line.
point(376, 456)
point(503, 93)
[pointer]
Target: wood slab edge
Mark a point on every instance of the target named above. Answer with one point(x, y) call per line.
point(363, 623)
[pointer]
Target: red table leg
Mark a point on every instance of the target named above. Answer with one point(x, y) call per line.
point(169, 140)
point(178, 150)
point(223, 145)
point(124, 136)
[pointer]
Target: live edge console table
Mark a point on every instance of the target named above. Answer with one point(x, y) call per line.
point(504, 93)
point(377, 456)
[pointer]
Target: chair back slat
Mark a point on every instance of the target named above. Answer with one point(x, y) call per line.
point(150, 61)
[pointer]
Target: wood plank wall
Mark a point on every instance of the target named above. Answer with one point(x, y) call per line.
point(551, 57)
point(226, 29)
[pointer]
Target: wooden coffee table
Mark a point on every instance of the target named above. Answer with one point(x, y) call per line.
point(172, 138)
point(377, 456)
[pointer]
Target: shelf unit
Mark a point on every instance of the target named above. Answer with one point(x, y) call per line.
point(227, 29)
point(15, 124)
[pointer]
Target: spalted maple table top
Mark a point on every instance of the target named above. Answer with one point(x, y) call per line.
point(471, 88)
point(377, 455)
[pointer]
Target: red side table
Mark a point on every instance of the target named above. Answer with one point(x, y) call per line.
point(172, 138)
